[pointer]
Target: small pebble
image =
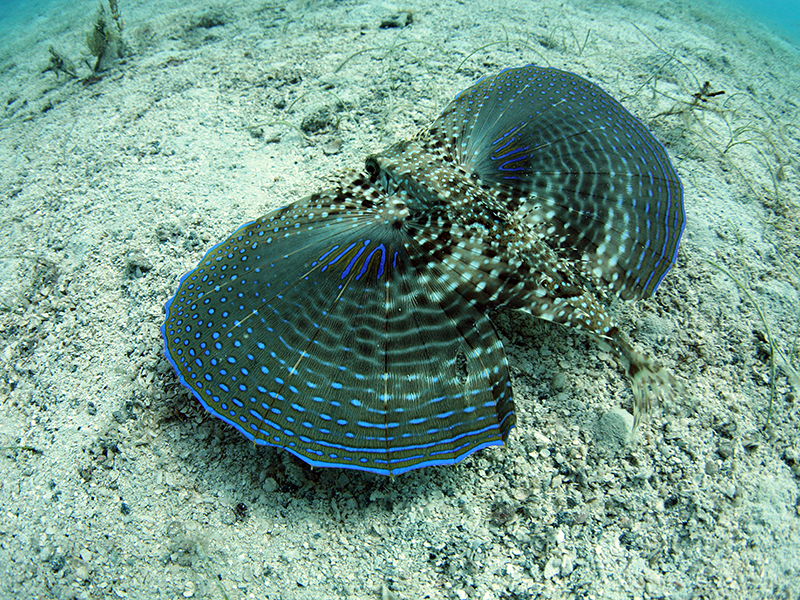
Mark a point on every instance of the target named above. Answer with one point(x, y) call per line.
point(269, 485)
point(651, 576)
point(568, 563)
point(751, 441)
point(559, 381)
point(397, 20)
point(725, 449)
point(228, 516)
point(614, 429)
point(137, 264)
point(730, 491)
point(553, 567)
point(332, 146)
point(81, 571)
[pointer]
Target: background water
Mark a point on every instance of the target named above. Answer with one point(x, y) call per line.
point(19, 12)
point(780, 15)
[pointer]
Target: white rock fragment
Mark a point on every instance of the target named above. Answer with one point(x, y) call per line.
point(568, 563)
point(553, 567)
point(81, 571)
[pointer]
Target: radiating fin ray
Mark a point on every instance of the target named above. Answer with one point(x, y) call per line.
point(350, 328)
point(551, 109)
point(331, 349)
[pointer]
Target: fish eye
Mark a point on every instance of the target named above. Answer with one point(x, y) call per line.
point(372, 169)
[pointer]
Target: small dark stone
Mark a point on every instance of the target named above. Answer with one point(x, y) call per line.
point(563, 518)
point(404, 18)
point(502, 513)
point(91, 409)
point(167, 231)
point(240, 511)
point(125, 509)
point(320, 120)
point(86, 473)
point(751, 441)
point(670, 501)
point(136, 264)
point(208, 19)
point(57, 563)
point(726, 429)
point(725, 449)
point(627, 539)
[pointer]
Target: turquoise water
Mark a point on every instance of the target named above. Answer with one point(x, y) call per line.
point(12, 13)
point(782, 16)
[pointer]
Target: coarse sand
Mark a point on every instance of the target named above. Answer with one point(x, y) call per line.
point(115, 483)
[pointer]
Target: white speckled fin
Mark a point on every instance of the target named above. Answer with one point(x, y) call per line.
point(571, 158)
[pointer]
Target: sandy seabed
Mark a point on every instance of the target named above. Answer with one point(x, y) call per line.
point(114, 483)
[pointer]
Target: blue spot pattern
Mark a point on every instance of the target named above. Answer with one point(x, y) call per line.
point(350, 327)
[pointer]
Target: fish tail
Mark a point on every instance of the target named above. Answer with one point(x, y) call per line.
point(651, 383)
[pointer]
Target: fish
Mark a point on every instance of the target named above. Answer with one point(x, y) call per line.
point(351, 328)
